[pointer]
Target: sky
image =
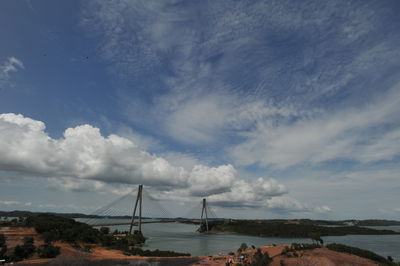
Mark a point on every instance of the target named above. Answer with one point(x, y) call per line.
point(269, 109)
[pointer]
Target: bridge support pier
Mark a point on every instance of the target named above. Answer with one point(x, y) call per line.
point(204, 213)
point(138, 202)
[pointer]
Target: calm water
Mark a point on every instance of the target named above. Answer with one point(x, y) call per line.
point(184, 238)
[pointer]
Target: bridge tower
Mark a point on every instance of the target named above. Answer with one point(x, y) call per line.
point(204, 213)
point(138, 201)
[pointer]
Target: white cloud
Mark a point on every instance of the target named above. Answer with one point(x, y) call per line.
point(187, 161)
point(9, 202)
point(290, 204)
point(85, 160)
point(12, 64)
point(13, 202)
point(249, 194)
point(205, 180)
point(81, 153)
point(352, 133)
point(214, 63)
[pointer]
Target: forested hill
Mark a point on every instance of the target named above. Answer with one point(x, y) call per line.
point(369, 222)
point(67, 215)
point(290, 229)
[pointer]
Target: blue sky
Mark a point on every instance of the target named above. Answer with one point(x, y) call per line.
point(281, 108)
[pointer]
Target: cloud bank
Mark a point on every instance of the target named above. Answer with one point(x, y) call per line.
point(83, 160)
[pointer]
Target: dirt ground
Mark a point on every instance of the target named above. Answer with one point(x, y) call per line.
point(317, 257)
point(322, 256)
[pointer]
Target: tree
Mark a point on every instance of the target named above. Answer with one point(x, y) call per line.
point(242, 247)
point(48, 237)
point(316, 237)
point(2, 240)
point(260, 259)
point(48, 251)
point(105, 230)
point(28, 241)
point(3, 246)
point(3, 250)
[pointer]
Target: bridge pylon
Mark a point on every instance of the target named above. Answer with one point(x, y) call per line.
point(204, 213)
point(138, 203)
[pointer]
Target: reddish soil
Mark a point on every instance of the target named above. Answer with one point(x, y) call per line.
point(15, 235)
point(317, 257)
point(322, 256)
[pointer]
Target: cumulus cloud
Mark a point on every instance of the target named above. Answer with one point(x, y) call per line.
point(249, 194)
point(85, 160)
point(12, 64)
point(215, 180)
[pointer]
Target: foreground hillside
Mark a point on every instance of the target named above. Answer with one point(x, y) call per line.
point(51, 240)
point(278, 255)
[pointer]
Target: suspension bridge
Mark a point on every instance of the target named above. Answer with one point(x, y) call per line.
point(146, 209)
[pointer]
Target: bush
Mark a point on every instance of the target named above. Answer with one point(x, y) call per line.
point(242, 247)
point(48, 251)
point(28, 241)
point(3, 246)
point(155, 253)
point(3, 251)
point(296, 246)
point(2, 240)
point(105, 230)
point(23, 252)
point(260, 259)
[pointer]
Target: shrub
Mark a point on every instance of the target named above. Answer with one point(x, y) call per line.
point(48, 251)
point(242, 247)
point(23, 252)
point(28, 241)
point(105, 230)
point(260, 259)
point(155, 253)
point(2, 240)
point(3, 246)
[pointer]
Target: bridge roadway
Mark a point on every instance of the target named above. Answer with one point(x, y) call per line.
point(146, 222)
point(128, 223)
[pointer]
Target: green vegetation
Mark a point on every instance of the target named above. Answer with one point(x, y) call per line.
point(3, 246)
point(154, 253)
point(24, 251)
point(48, 251)
point(316, 237)
point(260, 259)
point(361, 253)
point(377, 223)
point(55, 228)
point(242, 247)
point(291, 250)
point(285, 229)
